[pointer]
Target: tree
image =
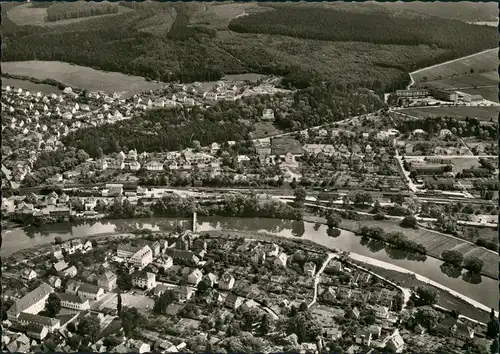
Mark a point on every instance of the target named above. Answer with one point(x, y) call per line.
point(124, 281)
point(119, 303)
point(474, 264)
point(428, 296)
point(131, 318)
point(397, 198)
point(333, 219)
point(409, 222)
point(90, 326)
point(453, 257)
point(397, 304)
point(494, 348)
point(300, 196)
point(58, 240)
point(74, 342)
point(53, 304)
point(361, 198)
point(265, 325)
point(427, 317)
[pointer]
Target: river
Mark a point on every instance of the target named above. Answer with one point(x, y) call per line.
point(481, 289)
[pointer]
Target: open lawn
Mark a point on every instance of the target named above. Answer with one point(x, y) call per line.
point(27, 14)
point(446, 300)
point(265, 129)
point(488, 93)
point(489, 78)
point(31, 86)
point(435, 243)
point(80, 77)
point(459, 112)
point(141, 302)
point(464, 163)
point(486, 61)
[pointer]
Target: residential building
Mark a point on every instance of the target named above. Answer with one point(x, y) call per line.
point(195, 277)
point(154, 166)
point(142, 257)
point(258, 256)
point(164, 262)
point(335, 265)
point(28, 318)
point(29, 274)
point(69, 272)
point(74, 302)
point(363, 337)
point(211, 279)
point(184, 256)
point(90, 291)
point(280, 261)
point(395, 343)
point(184, 292)
point(199, 245)
point(54, 281)
point(226, 282)
point(233, 301)
point(268, 114)
point(144, 280)
point(381, 312)
point(33, 302)
point(107, 281)
point(126, 251)
point(309, 269)
point(37, 331)
point(72, 287)
point(60, 266)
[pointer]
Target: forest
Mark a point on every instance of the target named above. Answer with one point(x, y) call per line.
point(69, 10)
point(378, 28)
point(197, 53)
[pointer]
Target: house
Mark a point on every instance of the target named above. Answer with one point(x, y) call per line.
point(233, 301)
point(280, 261)
point(72, 246)
point(289, 157)
point(102, 165)
point(375, 330)
point(55, 281)
point(309, 269)
point(164, 262)
point(381, 312)
point(184, 292)
point(154, 166)
point(363, 337)
point(258, 256)
point(184, 256)
point(33, 302)
point(274, 250)
point(144, 280)
point(69, 272)
point(87, 246)
point(268, 114)
point(226, 282)
point(184, 242)
point(90, 291)
point(74, 302)
point(142, 257)
point(395, 342)
point(107, 281)
point(26, 319)
point(211, 279)
point(214, 148)
point(125, 251)
point(333, 333)
point(37, 331)
point(72, 287)
point(335, 266)
point(29, 274)
point(195, 277)
point(199, 245)
point(138, 346)
point(60, 266)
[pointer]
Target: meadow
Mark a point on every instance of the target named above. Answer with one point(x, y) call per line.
point(487, 61)
point(31, 86)
point(80, 77)
point(459, 112)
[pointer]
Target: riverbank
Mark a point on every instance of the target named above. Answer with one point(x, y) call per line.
point(446, 299)
point(435, 243)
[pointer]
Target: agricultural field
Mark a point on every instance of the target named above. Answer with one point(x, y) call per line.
point(488, 93)
point(465, 163)
point(31, 86)
point(485, 61)
point(485, 114)
point(80, 77)
point(28, 14)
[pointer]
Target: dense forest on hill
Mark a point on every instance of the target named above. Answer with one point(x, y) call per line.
point(379, 28)
point(185, 52)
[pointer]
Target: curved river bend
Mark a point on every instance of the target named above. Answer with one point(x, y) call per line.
point(482, 289)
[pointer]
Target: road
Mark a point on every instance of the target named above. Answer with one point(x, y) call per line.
point(317, 277)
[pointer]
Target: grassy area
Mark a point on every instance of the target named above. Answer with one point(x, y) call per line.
point(486, 61)
point(488, 93)
point(446, 300)
point(31, 86)
point(489, 78)
point(459, 112)
point(79, 76)
point(265, 129)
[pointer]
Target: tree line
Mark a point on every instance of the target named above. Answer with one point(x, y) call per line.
point(397, 239)
point(69, 10)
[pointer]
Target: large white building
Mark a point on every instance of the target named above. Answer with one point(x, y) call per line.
point(31, 303)
point(144, 280)
point(89, 291)
point(142, 257)
point(74, 302)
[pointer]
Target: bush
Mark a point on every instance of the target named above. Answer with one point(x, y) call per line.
point(452, 257)
point(409, 222)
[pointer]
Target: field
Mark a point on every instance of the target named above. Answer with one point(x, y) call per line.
point(31, 86)
point(140, 302)
point(80, 77)
point(265, 129)
point(446, 300)
point(27, 14)
point(488, 93)
point(218, 15)
point(434, 242)
point(459, 112)
point(464, 163)
point(485, 61)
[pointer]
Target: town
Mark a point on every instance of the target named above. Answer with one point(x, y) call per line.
point(212, 292)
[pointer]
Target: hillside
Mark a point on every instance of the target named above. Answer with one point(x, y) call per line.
point(198, 42)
